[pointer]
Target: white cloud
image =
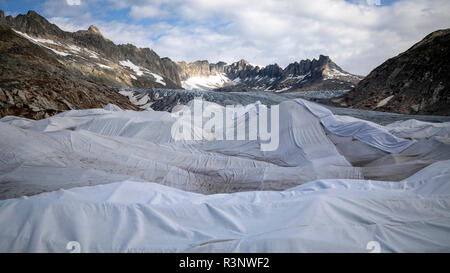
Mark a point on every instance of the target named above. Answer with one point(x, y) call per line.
point(73, 2)
point(356, 36)
point(67, 7)
point(148, 11)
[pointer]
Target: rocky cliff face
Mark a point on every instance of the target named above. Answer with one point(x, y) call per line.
point(195, 69)
point(33, 24)
point(34, 83)
point(415, 82)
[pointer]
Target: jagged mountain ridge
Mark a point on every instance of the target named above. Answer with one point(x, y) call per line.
point(321, 74)
point(96, 57)
point(415, 82)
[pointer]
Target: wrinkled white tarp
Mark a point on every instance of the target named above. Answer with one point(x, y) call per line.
point(419, 129)
point(322, 216)
point(242, 110)
point(365, 131)
point(143, 191)
point(98, 146)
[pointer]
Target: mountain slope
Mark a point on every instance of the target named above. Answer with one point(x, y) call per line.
point(415, 82)
point(35, 84)
point(97, 58)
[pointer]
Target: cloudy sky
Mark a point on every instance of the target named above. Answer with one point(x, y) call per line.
point(357, 34)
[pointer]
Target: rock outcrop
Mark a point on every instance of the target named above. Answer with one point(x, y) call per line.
point(415, 82)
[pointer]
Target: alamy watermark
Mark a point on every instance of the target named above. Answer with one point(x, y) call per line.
point(75, 247)
point(207, 121)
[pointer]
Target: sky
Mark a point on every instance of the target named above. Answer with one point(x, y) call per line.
point(358, 35)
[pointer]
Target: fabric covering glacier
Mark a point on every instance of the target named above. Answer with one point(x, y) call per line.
point(116, 181)
point(321, 216)
point(365, 131)
point(99, 146)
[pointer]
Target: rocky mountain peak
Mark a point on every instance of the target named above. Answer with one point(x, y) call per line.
point(32, 13)
point(316, 66)
point(34, 17)
point(95, 30)
point(324, 65)
point(272, 71)
point(321, 62)
point(243, 62)
point(33, 24)
point(324, 59)
point(240, 65)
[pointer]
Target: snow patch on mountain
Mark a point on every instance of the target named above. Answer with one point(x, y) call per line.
point(158, 78)
point(71, 49)
point(140, 71)
point(40, 42)
point(283, 89)
point(132, 66)
point(91, 53)
point(105, 66)
point(207, 83)
point(330, 74)
point(74, 48)
point(45, 41)
point(298, 78)
point(384, 102)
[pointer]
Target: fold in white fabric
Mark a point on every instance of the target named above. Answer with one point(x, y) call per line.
point(365, 131)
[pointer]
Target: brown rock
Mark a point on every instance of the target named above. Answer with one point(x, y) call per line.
point(418, 79)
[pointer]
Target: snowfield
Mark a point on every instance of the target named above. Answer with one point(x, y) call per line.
point(206, 83)
point(137, 69)
point(117, 181)
point(140, 71)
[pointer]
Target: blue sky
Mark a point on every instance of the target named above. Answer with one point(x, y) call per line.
point(356, 34)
